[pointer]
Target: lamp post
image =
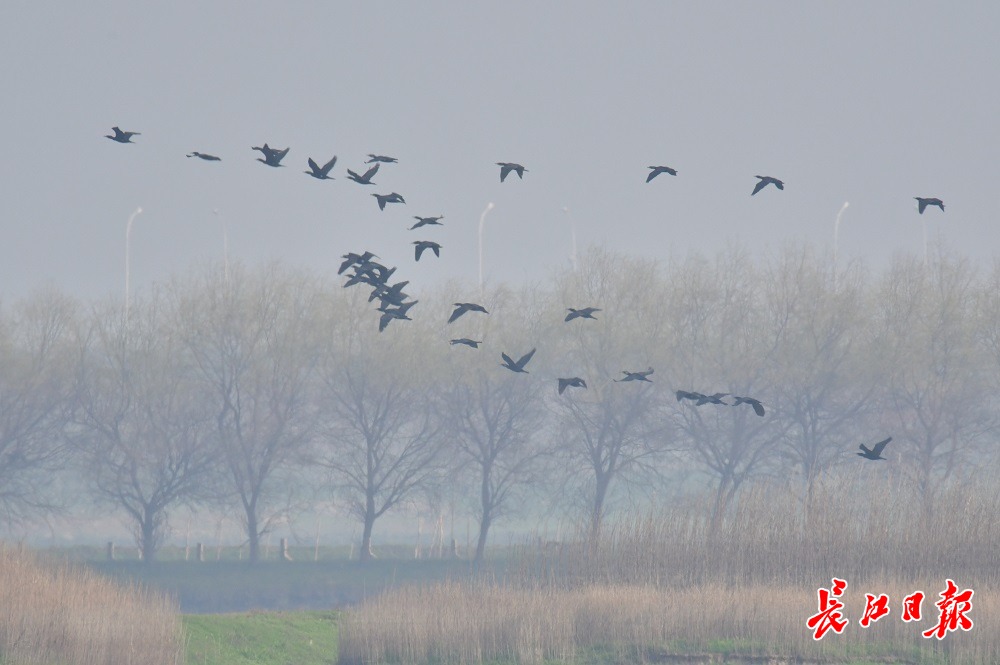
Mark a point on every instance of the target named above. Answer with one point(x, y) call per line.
point(836, 241)
point(482, 221)
point(128, 251)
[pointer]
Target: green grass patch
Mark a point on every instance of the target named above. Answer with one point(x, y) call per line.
point(262, 638)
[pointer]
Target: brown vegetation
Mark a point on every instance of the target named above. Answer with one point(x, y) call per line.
point(668, 583)
point(57, 614)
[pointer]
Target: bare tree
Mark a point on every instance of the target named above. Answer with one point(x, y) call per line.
point(379, 433)
point(36, 366)
point(254, 341)
point(143, 424)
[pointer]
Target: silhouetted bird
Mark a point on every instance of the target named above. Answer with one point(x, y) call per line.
point(389, 295)
point(636, 376)
point(923, 203)
point(365, 179)
point(463, 307)
point(876, 450)
point(351, 259)
point(585, 313)
point(683, 394)
point(519, 365)
point(574, 382)
point(711, 399)
point(321, 172)
point(466, 341)
point(388, 198)
point(424, 221)
point(205, 156)
point(398, 313)
point(421, 245)
point(380, 158)
point(758, 408)
point(766, 180)
point(272, 157)
point(120, 136)
point(507, 167)
point(657, 170)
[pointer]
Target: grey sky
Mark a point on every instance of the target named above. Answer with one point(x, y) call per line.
point(867, 102)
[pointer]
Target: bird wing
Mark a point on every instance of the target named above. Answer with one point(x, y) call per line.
point(329, 165)
point(313, 165)
point(758, 408)
point(381, 201)
point(652, 174)
point(865, 449)
point(370, 172)
point(525, 358)
point(760, 185)
point(507, 359)
point(437, 249)
point(418, 250)
point(504, 170)
point(778, 183)
point(562, 385)
point(880, 446)
point(353, 176)
point(384, 321)
point(459, 311)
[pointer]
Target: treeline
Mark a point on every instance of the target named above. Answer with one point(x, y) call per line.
point(258, 390)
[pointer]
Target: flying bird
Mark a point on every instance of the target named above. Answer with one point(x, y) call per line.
point(388, 198)
point(365, 179)
point(381, 158)
point(574, 382)
point(351, 259)
point(463, 307)
point(507, 167)
point(766, 180)
point(585, 313)
point(424, 221)
point(711, 399)
point(876, 450)
point(466, 341)
point(421, 245)
point(636, 376)
point(398, 313)
point(120, 136)
point(684, 394)
point(758, 408)
point(519, 365)
point(321, 172)
point(389, 295)
point(272, 156)
point(657, 170)
point(204, 155)
point(923, 203)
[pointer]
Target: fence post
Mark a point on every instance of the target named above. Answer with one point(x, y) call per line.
point(111, 551)
point(285, 556)
point(201, 552)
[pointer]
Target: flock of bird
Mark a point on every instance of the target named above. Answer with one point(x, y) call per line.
point(392, 299)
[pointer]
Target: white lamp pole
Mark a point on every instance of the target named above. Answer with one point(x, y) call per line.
point(482, 221)
point(128, 251)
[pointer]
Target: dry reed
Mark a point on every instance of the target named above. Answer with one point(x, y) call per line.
point(669, 583)
point(58, 614)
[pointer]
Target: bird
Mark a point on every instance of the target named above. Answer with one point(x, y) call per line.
point(351, 259)
point(876, 450)
point(365, 179)
point(636, 376)
point(466, 341)
point(381, 158)
point(321, 172)
point(205, 156)
point(758, 408)
point(507, 167)
point(923, 203)
point(711, 399)
point(272, 156)
point(574, 382)
point(766, 180)
point(684, 394)
point(421, 245)
point(398, 313)
point(120, 136)
point(585, 313)
point(388, 198)
point(519, 365)
point(424, 221)
point(463, 307)
point(389, 295)
point(657, 170)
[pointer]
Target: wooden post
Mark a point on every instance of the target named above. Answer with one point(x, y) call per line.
point(111, 551)
point(285, 556)
point(454, 549)
point(201, 552)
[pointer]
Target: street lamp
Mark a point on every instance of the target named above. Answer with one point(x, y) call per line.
point(482, 221)
point(128, 249)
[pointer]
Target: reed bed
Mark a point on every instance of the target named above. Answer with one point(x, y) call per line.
point(53, 614)
point(674, 582)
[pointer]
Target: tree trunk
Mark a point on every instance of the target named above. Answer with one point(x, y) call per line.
point(253, 537)
point(366, 536)
point(147, 543)
point(602, 480)
point(486, 505)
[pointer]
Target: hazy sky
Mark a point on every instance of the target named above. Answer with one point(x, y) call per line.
point(868, 102)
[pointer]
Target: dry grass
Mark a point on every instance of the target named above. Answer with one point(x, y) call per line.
point(666, 583)
point(57, 614)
